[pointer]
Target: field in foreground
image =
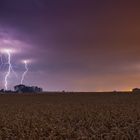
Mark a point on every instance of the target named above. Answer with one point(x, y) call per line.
point(70, 116)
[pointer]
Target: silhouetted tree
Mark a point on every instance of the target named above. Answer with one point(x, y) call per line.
point(27, 89)
point(136, 90)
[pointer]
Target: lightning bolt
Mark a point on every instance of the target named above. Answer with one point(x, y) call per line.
point(26, 70)
point(9, 69)
point(1, 61)
point(2, 65)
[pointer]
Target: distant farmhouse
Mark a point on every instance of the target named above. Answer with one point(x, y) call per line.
point(27, 89)
point(136, 90)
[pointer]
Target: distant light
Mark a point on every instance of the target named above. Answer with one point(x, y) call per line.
point(26, 61)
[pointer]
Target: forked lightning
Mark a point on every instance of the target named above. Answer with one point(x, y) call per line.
point(25, 72)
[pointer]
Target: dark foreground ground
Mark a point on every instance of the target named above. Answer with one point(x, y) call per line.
point(70, 116)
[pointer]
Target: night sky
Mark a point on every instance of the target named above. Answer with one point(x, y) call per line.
point(74, 45)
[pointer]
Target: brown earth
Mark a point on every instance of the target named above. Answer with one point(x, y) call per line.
point(60, 116)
